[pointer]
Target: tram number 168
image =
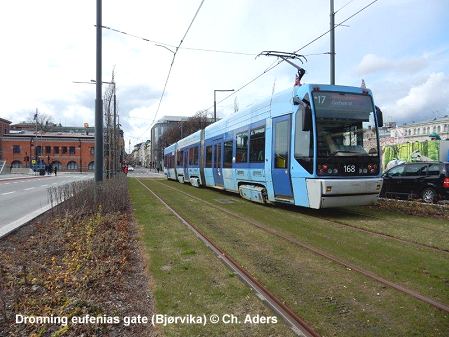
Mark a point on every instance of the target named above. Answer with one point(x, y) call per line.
point(349, 168)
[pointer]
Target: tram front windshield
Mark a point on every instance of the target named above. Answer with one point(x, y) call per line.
point(345, 125)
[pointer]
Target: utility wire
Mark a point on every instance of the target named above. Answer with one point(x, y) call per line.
point(163, 44)
point(274, 65)
point(173, 60)
point(171, 66)
point(343, 6)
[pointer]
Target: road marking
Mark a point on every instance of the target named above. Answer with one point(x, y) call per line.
point(44, 185)
point(8, 193)
point(29, 188)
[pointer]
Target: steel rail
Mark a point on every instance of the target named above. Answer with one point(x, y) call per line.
point(385, 235)
point(321, 253)
point(298, 325)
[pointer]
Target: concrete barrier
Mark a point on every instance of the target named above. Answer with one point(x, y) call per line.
point(22, 170)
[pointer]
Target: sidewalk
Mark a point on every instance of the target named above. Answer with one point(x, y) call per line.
point(17, 176)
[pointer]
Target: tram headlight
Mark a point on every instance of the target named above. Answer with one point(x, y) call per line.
point(372, 168)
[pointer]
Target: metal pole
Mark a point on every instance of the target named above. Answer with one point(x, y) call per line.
point(114, 138)
point(99, 104)
point(215, 101)
point(332, 46)
point(215, 106)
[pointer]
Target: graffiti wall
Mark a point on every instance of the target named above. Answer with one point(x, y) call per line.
point(411, 151)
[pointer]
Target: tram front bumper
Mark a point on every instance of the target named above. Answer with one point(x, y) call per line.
point(325, 193)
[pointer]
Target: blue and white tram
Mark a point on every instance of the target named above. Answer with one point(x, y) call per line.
point(314, 146)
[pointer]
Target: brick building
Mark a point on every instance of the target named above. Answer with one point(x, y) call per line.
point(4, 129)
point(66, 151)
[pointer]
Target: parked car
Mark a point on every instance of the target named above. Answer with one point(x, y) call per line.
point(130, 168)
point(426, 180)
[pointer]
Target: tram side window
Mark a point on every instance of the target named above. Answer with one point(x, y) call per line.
point(191, 156)
point(241, 141)
point(303, 144)
point(257, 146)
point(195, 155)
point(228, 154)
point(209, 156)
point(179, 158)
point(281, 144)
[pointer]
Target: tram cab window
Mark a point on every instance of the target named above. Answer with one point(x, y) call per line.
point(303, 143)
point(257, 145)
point(209, 156)
point(241, 155)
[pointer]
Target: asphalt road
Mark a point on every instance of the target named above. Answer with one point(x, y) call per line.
point(142, 172)
point(23, 199)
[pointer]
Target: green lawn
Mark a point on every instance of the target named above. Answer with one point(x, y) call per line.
point(336, 300)
point(187, 278)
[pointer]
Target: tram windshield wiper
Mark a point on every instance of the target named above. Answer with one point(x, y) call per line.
point(347, 153)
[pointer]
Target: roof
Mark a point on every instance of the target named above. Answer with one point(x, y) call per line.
point(26, 133)
point(5, 120)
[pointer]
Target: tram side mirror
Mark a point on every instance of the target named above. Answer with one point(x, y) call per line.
point(306, 119)
point(380, 118)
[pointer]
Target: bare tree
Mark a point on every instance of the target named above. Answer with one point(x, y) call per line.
point(44, 121)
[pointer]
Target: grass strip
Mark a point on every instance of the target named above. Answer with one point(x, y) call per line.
point(189, 279)
point(339, 302)
point(422, 269)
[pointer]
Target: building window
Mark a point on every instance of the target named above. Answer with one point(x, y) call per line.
point(92, 150)
point(16, 149)
point(55, 149)
point(209, 156)
point(64, 149)
point(16, 164)
point(227, 154)
point(71, 165)
point(439, 129)
point(56, 164)
point(91, 166)
point(241, 141)
point(47, 149)
point(257, 146)
point(71, 150)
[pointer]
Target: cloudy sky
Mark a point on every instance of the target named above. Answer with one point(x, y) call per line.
point(399, 47)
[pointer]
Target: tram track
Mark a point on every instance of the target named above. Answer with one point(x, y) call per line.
point(380, 234)
point(319, 252)
point(298, 325)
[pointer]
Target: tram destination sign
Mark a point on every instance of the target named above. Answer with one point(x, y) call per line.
point(342, 105)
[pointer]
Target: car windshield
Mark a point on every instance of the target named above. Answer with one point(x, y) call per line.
point(345, 125)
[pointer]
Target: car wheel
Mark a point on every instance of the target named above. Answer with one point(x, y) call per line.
point(429, 195)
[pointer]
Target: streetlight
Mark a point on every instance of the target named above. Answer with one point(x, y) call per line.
point(114, 164)
point(215, 101)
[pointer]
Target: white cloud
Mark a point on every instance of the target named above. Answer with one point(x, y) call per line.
point(422, 101)
point(372, 63)
point(47, 44)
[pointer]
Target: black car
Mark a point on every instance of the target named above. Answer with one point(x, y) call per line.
point(426, 180)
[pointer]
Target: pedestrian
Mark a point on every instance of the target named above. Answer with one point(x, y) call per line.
point(56, 170)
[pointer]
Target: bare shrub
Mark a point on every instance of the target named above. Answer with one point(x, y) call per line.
point(82, 198)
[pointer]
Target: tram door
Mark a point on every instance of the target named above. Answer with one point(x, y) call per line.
point(218, 163)
point(280, 172)
point(186, 165)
